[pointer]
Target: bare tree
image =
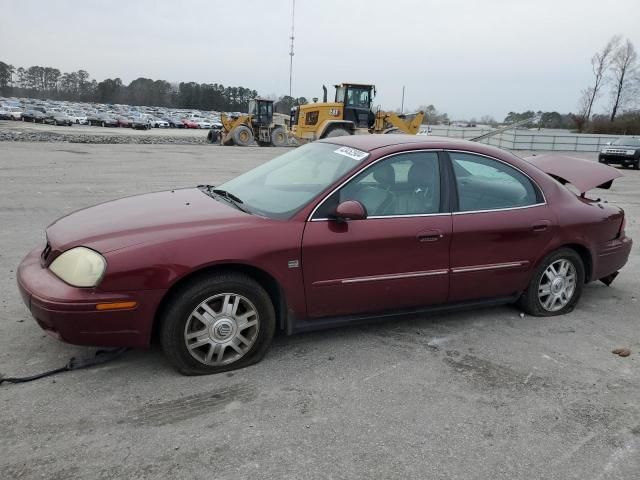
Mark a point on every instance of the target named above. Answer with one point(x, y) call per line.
point(600, 63)
point(624, 72)
point(584, 106)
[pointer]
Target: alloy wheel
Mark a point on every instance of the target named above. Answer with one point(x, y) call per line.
point(221, 329)
point(557, 285)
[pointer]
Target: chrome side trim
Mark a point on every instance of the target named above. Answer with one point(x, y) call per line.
point(494, 266)
point(376, 278)
point(499, 209)
point(393, 216)
point(310, 217)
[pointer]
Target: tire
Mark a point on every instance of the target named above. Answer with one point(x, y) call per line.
point(636, 165)
point(198, 307)
point(534, 302)
point(278, 137)
point(337, 132)
point(242, 136)
point(213, 136)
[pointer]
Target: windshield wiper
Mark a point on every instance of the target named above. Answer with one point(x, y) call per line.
point(229, 197)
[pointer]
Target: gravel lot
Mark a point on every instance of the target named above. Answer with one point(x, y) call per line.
point(473, 395)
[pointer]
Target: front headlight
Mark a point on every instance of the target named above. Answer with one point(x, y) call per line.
point(631, 152)
point(80, 267)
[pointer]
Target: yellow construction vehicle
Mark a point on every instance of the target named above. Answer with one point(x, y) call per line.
point(349, 114)
point(257, 125)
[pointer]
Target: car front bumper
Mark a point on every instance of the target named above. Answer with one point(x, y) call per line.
point(617, 159)
point(70, 314)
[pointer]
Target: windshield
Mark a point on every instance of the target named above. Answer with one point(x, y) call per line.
point(281, 187)
point(627, 141)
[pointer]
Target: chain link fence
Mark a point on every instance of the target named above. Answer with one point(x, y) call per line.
point(524, 139)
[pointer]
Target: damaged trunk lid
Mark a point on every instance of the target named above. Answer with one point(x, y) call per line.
point(583, 174)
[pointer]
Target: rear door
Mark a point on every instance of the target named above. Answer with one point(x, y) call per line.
point(397, 258)
point(501, 226)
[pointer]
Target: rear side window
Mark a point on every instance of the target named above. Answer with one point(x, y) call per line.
point(487, 184)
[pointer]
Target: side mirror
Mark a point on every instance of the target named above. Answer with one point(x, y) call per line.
point(351, 210)
point(608, 143)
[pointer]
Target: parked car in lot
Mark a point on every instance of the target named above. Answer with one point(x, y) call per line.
point(77, 117)
point(624, 151)
point(175, 122)
point(335, 232)
point(5, 113)
point(202, 123)
point(124, 121)
point(159, 123)
point(58, 118)
point(189, 123)
point(140, 123)
point(11, 113)
point(102, 120)
point(33, 116)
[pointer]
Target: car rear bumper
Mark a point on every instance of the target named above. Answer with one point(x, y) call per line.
point(612, 257)
point(70, 314)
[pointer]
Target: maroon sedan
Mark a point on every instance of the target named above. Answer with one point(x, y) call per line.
point(334, 232)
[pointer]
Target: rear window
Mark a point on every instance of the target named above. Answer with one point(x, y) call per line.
point(487, 184)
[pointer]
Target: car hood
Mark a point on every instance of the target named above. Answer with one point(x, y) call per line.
point(144, 218)
point(583, 174)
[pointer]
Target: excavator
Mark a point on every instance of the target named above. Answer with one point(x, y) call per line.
point(351, 113)
point(257, 125)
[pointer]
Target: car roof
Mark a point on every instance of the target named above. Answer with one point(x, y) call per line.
point(370, 142)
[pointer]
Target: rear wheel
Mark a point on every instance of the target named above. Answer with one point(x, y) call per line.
point(278, 137)
point(337, 132)
point(556, 285)
point(636, 165)
point(242, 136)
point(217, 323)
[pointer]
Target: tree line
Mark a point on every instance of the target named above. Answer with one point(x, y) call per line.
point(51, 83)
point(616, 73)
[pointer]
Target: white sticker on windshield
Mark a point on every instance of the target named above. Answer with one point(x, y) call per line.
point(351, 153)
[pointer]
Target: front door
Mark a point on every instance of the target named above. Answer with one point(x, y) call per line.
point(500, 229)
point(396, 258)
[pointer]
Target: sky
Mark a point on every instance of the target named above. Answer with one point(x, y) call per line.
point(468, 58)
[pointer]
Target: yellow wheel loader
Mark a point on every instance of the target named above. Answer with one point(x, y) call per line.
point(351, 113)
point(257, 125)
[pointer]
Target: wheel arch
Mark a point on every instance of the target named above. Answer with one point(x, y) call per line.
point(265, 279)
point(586, 256)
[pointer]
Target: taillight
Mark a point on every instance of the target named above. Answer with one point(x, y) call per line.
point(621, 232)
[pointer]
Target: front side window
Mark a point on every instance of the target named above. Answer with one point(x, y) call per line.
point(487, 184)
point(405, 184)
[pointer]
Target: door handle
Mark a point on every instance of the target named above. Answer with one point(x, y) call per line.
point(541, 226)
point(430, 236)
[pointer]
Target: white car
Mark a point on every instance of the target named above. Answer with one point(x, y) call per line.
point(159, 123)
point(78, 117)
point(202, 123)
point(14, 112)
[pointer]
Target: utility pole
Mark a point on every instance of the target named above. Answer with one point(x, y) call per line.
point(293, 16)
point(402, 105)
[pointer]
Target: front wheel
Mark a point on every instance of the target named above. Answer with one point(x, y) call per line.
point(217, 323)
point(337, 132)
point(556, 285)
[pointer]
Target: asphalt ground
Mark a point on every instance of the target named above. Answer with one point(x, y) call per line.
point(483, 394)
